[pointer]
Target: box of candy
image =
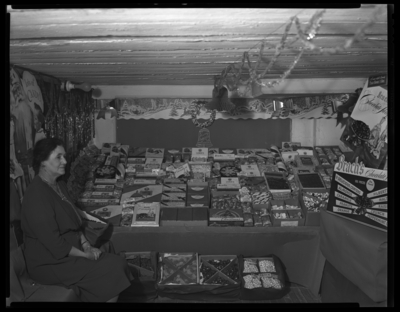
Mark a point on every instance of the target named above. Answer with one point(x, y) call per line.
point(287, 218)
point(262, 278)
point(219, 270)
point(226, 217)
point(311, 182)
point(312, 203)
point(177, 269)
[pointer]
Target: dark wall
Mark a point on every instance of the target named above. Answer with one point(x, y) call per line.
point(241, 133)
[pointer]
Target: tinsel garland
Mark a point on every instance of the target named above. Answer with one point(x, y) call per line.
point(231, 77)
point(196, 111)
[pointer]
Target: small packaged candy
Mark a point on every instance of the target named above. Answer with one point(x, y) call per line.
point(250, 266)
point(269, 281)
point(257, 220)
point(266, 220)
point(266, 265)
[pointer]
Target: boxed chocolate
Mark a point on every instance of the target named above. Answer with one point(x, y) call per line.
point(96, 202)
point(173, 188)
point(184, 216)
point(312, 203)
point(305, 161)
point(173, 196)
point(142, 193)
point(287, 218)
point(168, 216)
point(199, 216)
point(136, 152)
point(310, 182)
point(199, 154)
point(107, 147)
point(199, 188)
point(146, 214)
point(154, 152)
point(277, 183)
point(197, 200)
point(172, 155)
point(153, 163)
point(226, 217)
point(173, 203)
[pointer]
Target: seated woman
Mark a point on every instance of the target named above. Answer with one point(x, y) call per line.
point(56, 251)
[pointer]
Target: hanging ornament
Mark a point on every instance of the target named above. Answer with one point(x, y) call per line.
point(204, 138)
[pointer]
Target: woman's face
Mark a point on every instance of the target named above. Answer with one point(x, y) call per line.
point(55, 164)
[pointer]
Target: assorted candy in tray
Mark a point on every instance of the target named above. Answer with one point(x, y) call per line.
point(260, 272)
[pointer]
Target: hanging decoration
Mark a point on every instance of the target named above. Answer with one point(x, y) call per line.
point(195, 108)
point(231, 76)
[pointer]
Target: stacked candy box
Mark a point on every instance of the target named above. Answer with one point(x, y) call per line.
point(328, 155)
point(219, 270)
point(312, 203)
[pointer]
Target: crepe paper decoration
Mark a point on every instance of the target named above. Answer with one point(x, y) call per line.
point(204, 138)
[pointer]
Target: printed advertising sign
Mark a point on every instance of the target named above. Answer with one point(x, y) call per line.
point(360, 194)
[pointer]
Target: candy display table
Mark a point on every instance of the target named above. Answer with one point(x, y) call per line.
point(297, 247)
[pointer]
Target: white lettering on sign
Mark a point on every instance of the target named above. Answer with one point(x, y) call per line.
point(347, 184)
point(378, 213)
point(378, 193)
point(342, 210)
point(343, 204)
point(380, 206)
point(376, 219)
point(359, 169)
point(346, 191)
point(341, 196)
point(380, 199)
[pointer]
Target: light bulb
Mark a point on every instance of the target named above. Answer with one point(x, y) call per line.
point(84, 87)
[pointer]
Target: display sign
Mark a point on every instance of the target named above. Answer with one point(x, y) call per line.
point(359, 194)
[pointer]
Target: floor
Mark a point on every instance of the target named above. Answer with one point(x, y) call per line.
point(297, 294)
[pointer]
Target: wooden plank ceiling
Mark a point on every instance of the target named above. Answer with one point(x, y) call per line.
point(188, 46)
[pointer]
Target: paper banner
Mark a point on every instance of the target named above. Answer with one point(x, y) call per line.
point(311, 107)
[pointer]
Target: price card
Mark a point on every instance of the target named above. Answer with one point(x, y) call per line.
point(226, 157)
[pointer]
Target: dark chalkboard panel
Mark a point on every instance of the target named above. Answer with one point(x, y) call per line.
point(241, 133)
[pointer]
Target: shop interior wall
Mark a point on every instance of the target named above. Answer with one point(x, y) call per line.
point(224, 133)
point(244, 133)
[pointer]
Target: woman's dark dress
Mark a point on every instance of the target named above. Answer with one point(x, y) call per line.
point(50, 229)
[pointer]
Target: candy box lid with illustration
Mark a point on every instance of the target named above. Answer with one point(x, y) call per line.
point(142, 193)
point(359, 194)
point(262, 278)
point(146, 214)
point(154, 152)
point(366, 129)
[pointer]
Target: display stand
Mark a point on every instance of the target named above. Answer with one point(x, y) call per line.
point(297, 247)
point(356, 251)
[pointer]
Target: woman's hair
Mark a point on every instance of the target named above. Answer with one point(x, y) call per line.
point(42, 150)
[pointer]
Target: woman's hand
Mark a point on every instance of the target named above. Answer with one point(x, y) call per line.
point(92, 253)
